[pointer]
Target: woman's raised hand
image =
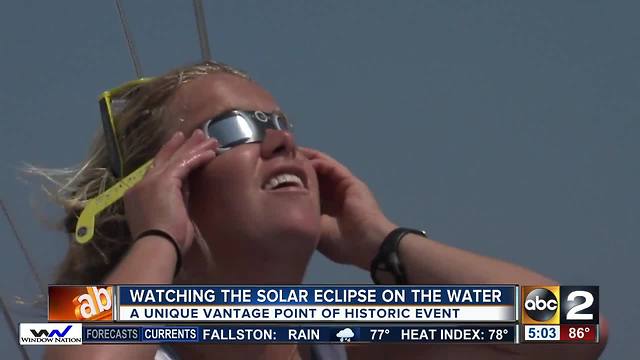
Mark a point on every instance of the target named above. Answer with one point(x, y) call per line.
point(159, 200)
point(353, 226)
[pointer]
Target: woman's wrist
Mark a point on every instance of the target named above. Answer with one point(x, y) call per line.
point(168, 237)
point(173, 232)
point(150, 260)
point(371, 243)
point(164, 247)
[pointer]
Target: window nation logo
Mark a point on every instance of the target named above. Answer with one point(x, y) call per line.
point(50, 334)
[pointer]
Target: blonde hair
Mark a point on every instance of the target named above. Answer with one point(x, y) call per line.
point(142, 126)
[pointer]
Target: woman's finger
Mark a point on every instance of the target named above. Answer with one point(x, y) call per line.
point(187, 165)
point(331, 169)
point(208, 144)
point(167, 150)
point(166, 163)
point(315, 155)
point(308, 152)
point(332, 184)
point(196, 138)
point(188, 152)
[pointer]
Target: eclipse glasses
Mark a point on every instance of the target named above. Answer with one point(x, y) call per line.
point(238, 127)
point(232, 128)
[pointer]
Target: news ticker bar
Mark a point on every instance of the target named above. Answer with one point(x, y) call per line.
point(224, 334)
point(79, 334)
point(528, 305)
point(251, 334)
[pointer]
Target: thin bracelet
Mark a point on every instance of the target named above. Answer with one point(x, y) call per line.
point(165, 235)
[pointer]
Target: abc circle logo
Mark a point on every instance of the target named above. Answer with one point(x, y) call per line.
point(541, 304)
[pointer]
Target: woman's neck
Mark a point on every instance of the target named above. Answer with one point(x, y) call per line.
point(284, 267)
point(280, 266)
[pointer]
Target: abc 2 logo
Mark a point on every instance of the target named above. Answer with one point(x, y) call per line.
point(553, 305)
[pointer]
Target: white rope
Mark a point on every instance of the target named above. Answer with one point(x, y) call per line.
point(202, 30)
point(129, 38)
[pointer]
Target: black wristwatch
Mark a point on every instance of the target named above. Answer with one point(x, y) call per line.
point(388, 259)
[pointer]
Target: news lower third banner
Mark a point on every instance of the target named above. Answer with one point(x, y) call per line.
point(222, 314)
point(284, 304)
point(316, 304)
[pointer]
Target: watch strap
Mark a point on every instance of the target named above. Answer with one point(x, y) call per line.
point(388, 258)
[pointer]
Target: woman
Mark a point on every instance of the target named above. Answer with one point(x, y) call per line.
point(251, 215)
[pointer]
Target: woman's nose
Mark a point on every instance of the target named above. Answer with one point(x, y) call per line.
point(278, 143)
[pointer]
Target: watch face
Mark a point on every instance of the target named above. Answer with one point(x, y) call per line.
point(384, 278)
point(387, 269)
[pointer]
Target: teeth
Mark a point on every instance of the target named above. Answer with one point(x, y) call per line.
point(283, 178)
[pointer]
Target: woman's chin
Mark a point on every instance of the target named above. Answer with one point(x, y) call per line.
point(302, 230)
point(295, 229)
point(269, 232)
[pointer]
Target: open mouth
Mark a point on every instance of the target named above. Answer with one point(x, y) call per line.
point(284, 181)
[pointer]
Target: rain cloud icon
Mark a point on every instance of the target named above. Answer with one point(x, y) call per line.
point(345, 335)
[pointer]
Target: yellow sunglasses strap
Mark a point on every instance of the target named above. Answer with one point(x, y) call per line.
point(85, 228)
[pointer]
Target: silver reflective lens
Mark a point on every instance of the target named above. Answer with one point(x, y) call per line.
point(241, 127)
point(232, 131)
point(282, 122)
